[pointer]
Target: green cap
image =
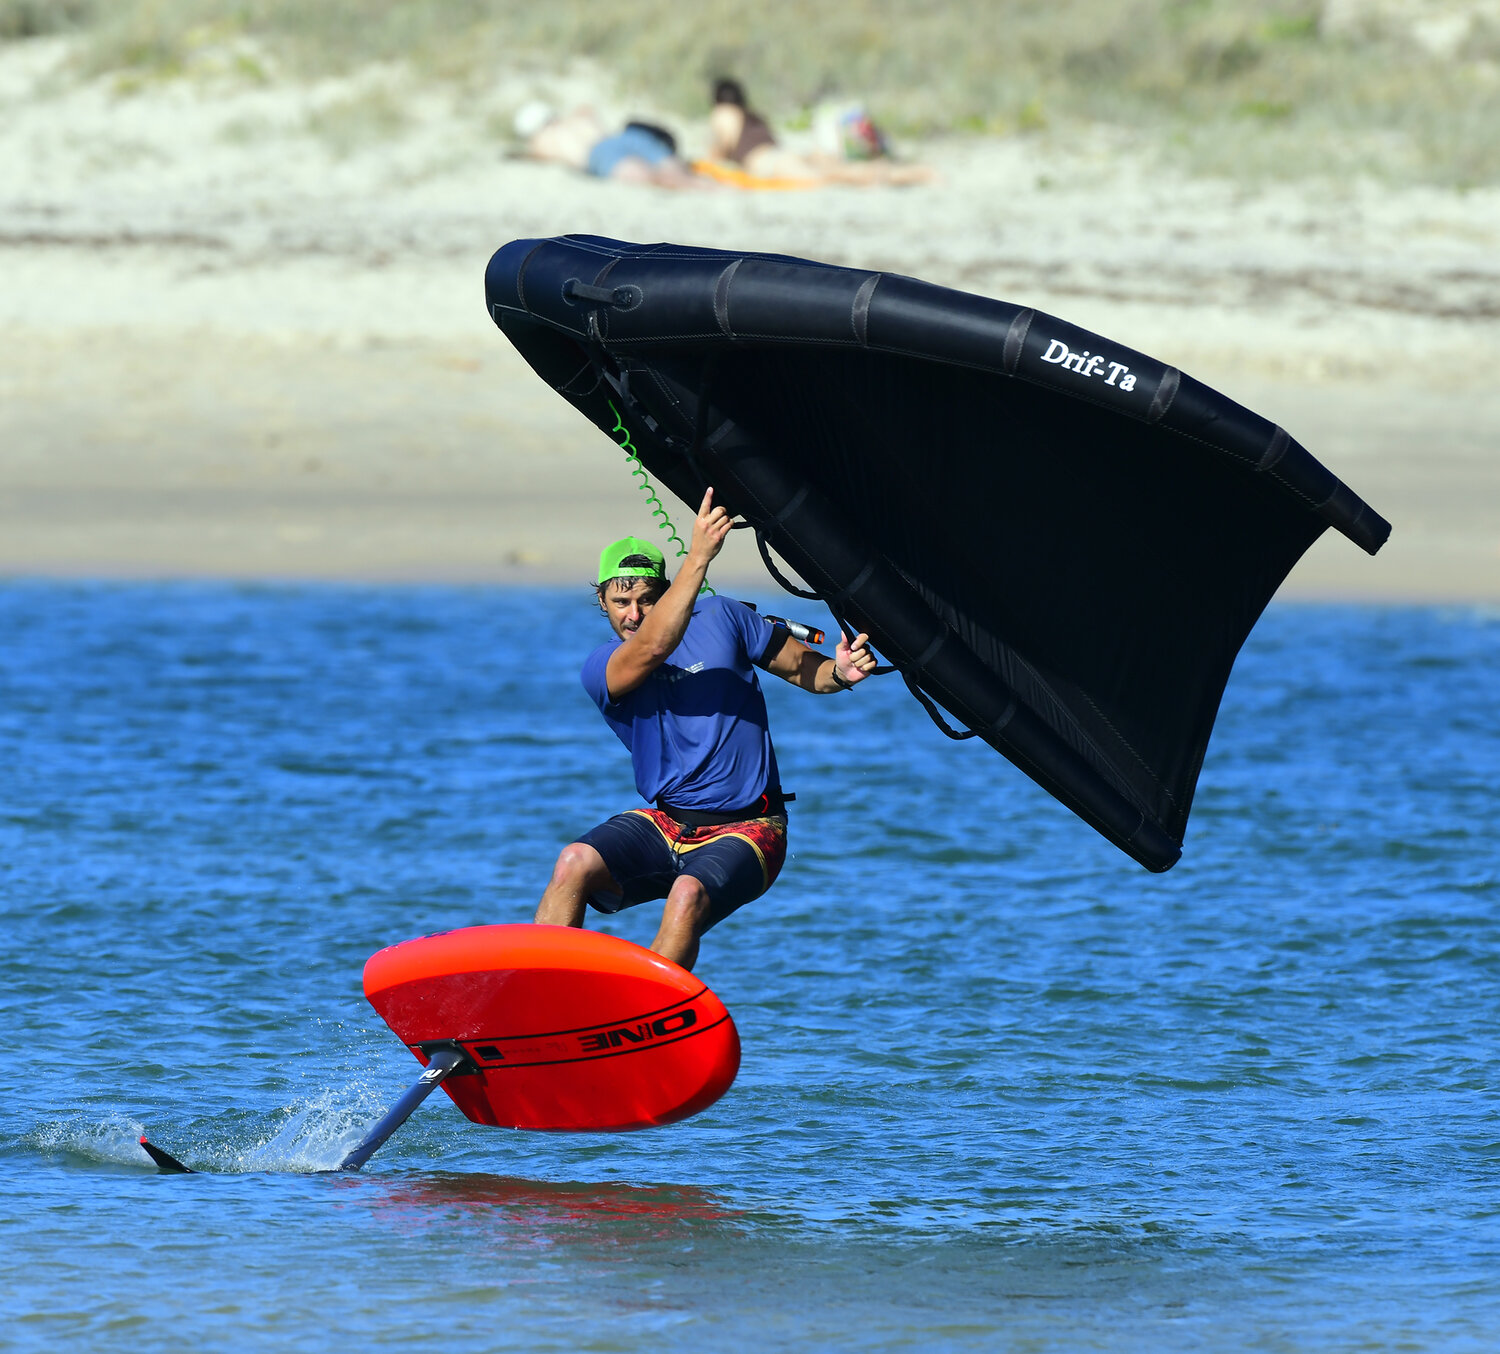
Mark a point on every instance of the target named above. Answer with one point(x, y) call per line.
point(631, 557)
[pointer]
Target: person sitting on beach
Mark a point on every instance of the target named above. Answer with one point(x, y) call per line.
point(742, 137)
point(677, 685)
point(641, 152)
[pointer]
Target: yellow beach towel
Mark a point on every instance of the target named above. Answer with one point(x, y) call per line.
point(736, 177)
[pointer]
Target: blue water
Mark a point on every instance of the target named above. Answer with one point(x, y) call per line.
point(1001, 1090)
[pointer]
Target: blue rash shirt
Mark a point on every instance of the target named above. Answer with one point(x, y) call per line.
point(696, 727)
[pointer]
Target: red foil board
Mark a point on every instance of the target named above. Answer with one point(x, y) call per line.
point(571, 1030)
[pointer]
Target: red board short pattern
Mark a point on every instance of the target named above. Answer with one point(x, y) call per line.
point(647, 850)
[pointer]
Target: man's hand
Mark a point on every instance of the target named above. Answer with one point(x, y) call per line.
point(854, 662)
point(794, 662)
point(709, 530)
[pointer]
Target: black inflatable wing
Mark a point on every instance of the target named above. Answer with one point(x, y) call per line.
point(1060, 541)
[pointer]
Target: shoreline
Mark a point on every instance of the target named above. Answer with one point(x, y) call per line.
point(253, 457)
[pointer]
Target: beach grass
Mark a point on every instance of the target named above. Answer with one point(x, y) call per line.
point(1253, 88)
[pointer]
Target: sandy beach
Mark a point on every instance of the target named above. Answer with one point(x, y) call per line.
point(235, 348)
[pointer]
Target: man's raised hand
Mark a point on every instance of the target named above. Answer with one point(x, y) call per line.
point(709, 530)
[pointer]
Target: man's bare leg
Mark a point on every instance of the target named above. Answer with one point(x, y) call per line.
point(580, 871)
point(682, 922)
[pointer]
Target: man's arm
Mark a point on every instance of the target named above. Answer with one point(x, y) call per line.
point(667, 621)
point(813, 671)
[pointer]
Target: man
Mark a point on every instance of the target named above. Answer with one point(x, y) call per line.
point(678, 686)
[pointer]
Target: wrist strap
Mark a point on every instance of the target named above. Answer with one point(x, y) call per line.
point(838, 679)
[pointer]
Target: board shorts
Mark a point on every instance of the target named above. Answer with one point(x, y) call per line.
point(646, 851)
point(633, 143)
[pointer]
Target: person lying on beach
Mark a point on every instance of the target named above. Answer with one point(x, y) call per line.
point(640, 152)
point(740, 136)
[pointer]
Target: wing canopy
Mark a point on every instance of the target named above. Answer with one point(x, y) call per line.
point(1060, 541)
